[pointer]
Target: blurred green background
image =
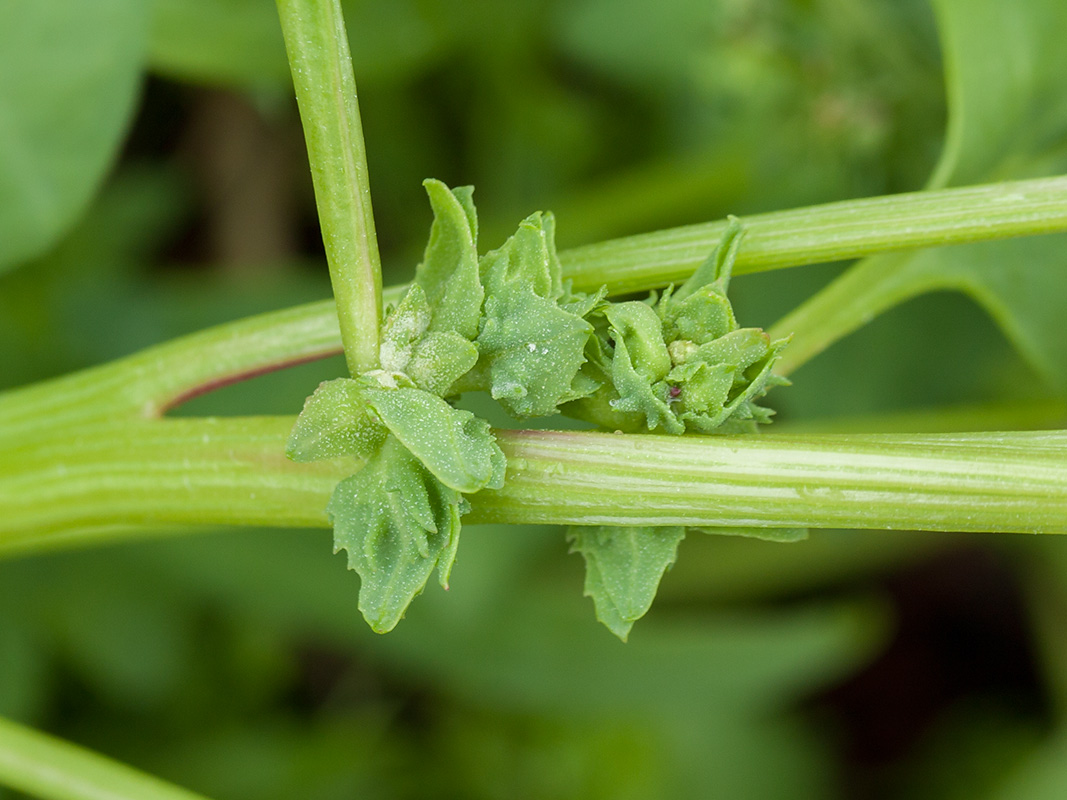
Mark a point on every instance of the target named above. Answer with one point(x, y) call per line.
point(153, 182)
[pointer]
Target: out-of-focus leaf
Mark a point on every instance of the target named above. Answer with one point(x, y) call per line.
point(1008, 119)
point(1022, 283)
point(1004, 68)
point(70, 77)
point(219, 41)
point(780, 535)
point(971, 749)
point(652, 43)
point(1042, 776)
point(24, 678)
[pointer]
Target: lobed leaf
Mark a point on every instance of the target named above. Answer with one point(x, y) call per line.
point(623, 568)
point(526, 261)
point(532, 350)
point(398, 522)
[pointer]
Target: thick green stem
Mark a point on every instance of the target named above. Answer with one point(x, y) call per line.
point(325, 86)
point(46, 767)
point(86, 452)
point(62, 489)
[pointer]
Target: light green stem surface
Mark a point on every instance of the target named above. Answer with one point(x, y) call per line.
point(325, 86)
point(60, 489)
point(831, 232)
point(158, 378)
point(50, 768)
point(86, 452)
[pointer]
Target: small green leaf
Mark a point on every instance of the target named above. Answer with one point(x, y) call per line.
point(449, 271)
point(403, 328)
point(455, 445)
point(640, 328)
point(623, 568)
point(637, 395)
point(527, 260)
point(701, 317)
point(532, 350)
point(397, 522)
point(439, 360)
point(335, 422)
point(717, 268)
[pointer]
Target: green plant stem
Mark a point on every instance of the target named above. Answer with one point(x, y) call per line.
point(847, 304)
point(50, 768)
point(88, 450)
point(148, 383)
point(831, 232)
point(62, 489)
point(325, 86)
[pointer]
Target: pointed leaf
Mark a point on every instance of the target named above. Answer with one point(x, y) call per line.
point(623, 569)
point(719, 266)
point(526, 261)
point(455, 445)
point(397, 522)
point(638, 395)
point(449, 269)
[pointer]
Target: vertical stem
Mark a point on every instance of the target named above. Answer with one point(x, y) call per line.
point(325, 86)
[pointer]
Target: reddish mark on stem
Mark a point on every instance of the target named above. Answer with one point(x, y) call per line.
point(237, 377)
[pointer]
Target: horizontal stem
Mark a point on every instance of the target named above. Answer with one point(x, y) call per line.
point(148, 383)
point(1007, 482)
point(830, 232)
point(232, 471)
point(50, 768)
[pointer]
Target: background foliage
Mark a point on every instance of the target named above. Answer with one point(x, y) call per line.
point(152, 181)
